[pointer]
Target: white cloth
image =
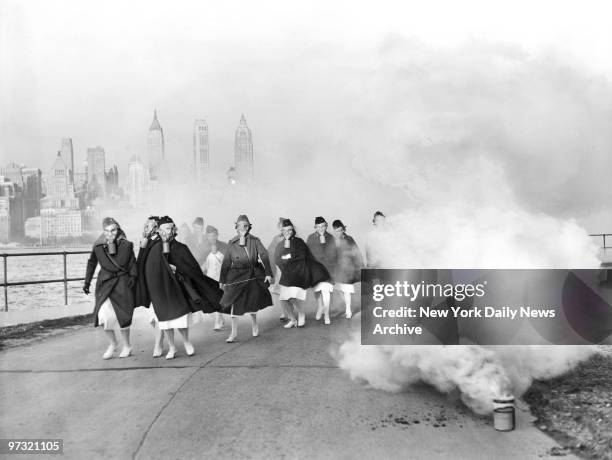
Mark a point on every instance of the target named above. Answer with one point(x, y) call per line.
point(151, 316)
point(107, 317)
point(323, 286)
point(291, 292)
point(345, 287)
point(212, 265)
point(183, 322)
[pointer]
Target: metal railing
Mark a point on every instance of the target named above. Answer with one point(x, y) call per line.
point(603, 236)
point(64, 280)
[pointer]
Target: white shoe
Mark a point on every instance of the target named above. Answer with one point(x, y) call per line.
point(290, 324)
point(327, 321)
point(157, 352)
point(349, 314)
point(108, 354)
point(125, 352)
point(189, 349)
point(171, 353)
point(255, 330)
point(319, 313)
point(231, 339)
point(301, 319)
point(218, 327)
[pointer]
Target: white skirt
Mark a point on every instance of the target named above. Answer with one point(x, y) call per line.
point(107, 317)
point(291, 292)
point(182, 322)
point(349, 288)
point(324, 286)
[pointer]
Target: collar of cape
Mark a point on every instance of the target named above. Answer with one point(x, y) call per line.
point(237, 237)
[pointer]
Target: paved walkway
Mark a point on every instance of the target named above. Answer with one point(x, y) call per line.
point(279, 395)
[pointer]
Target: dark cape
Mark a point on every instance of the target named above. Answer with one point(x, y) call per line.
point(350, 262)
point(326, 253)
point(113, 278)
point(176, 294)
point(298, 266)
point(243, 272)
point(141, 292)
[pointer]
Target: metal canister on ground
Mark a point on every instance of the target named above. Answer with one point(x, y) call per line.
point(504, 414)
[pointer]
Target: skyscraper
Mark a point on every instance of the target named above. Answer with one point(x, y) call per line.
point(68, 155)
point(155, 148)
point(243, 151)
point(138, 182)
point(200, 150)
point(60, 193)
point(96, 169)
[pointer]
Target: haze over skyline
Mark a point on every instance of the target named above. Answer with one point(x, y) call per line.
point(315, 81)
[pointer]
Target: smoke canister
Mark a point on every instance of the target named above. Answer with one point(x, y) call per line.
point(112, 248)
point(166, 247)
point(503, 413)
point(322, 238)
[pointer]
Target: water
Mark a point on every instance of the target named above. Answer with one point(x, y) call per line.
point(41, 267)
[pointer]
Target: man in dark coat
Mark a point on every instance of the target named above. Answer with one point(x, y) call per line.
point(177, 286)
point(141, 294)
point(245, 277)
point(299, 271)
point(114, 303)
point(323, 247)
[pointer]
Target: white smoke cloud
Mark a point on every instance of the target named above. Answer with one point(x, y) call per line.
point(488, 145)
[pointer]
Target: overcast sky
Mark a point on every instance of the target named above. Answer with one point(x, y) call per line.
point(307, 75)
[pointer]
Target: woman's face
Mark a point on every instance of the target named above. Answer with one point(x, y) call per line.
point(338, 232)
point(166, 231)
point(321, 228)
point(110, 232)
point(150, 226)
point(287, 232)
point(242, 228)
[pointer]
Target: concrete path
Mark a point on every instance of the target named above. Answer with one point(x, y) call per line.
point(279, 395)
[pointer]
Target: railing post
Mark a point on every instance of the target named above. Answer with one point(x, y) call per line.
point(5, 284)
point(65, 281)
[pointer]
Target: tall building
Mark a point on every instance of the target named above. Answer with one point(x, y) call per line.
point(5, 219)
point(112, 181)
point(200, 150)
point(58, 183)
point(32, 192)
point(243, 151)
point(155, 148)
point(138, 182)
point(68, 155)
point(96, 169)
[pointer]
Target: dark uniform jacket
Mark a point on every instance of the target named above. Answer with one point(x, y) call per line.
point(243, 272)
point(115, 279)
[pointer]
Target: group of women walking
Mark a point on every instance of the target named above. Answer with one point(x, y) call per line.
point(236, 278)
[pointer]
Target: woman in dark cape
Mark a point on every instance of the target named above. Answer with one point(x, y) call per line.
point(114, 303)
point(299, 271)
point(245, 277)
point(178, 289)
point(141, 292)
point(323, 247)
point(348, 266)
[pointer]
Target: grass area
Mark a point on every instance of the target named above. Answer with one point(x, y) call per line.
point(576, 408)
point(24, 333)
